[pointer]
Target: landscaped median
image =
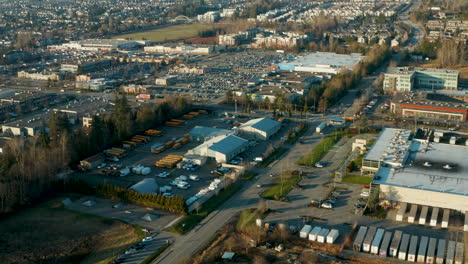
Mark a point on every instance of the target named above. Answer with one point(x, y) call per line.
point(191, 220)
point(317, 153)
point(283, 185)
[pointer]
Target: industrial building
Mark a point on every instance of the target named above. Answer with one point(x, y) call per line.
point(259, 128)
point(409, 78)
point(322, 62)
point(421, 108)
point(201, 133)
point(222, 148)
point(419, 171)
point(103, 45)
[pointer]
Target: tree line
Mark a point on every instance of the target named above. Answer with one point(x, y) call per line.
point(29, 166)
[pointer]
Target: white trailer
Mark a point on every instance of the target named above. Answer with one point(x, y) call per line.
point(423, 216)
point(401, 212)
point(465, 227)
point(313, 234)
point(366, 245)
point(357, 245)
point(422, 249)
point(383, 251)
point(332, 236)
point(377, 240)
point(450, 252)
point(403, 247)
point(445, 218)
point(320, 127)
point(434, 216)
point(459, 253)
point(431, 250)
point(413, 249)
point(412, 213)
point(441, 251)
point(322, 236)
point(304, 233)
point(393, 252)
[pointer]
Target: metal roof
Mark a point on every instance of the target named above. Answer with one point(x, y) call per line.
point(208, 132)
point(262, 124)
point(391, 144)
point(147, 185)
point(427, 169)
point(228, 144)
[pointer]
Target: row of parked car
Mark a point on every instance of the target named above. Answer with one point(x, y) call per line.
point(134, 249)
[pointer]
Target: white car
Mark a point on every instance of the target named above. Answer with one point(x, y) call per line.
point(166, 194)
point(164, 174)
point(327, 205)
point(147, 239)
point(183, 178)
point(194, 177)
point(319, 165)
point(183, 185)
point(365, 194)
point(174, 182)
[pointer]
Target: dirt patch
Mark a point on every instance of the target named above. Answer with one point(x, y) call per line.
point(51, 234)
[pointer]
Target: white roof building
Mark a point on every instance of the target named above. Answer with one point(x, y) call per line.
point(147, 185)
point(222, 148)
point(260, 128)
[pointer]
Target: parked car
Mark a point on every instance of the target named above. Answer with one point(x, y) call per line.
point(327, 205)
point(359, 206)
point(366, 187)
point(319, 164)
point(259, 185)
point(194, 177)
point(147, 239)
point(365, 194)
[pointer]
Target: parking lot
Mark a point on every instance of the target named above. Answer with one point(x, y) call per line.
point(142, 155)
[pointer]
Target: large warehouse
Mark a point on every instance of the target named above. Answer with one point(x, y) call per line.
point(322, 62)
point(222, 148)
point(260, 128)
point(422, 172)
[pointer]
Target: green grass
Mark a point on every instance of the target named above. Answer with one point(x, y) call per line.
point(273, 156)
point(247, 217)
point(357, 179)
point(317, 153)
point(188, 222)
point(166, 33)
point(283, 185)
point(154, 255)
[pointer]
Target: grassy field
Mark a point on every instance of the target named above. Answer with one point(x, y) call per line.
point(317, 153)
point(167, 33)
point(51, 234)
point(357, 179)
point(191, 220)
point(282, 186)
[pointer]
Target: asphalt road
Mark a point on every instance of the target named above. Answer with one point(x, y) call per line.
point(417, 33)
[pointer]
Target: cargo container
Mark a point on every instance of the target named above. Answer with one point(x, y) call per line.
point(445, 218)
point(153, 133)
point(177, 146)
point(196, 114)
point(377, 240)
point(393, 252)
point(423, 249)
point(383, 251)
point(322, 236)
point(434, 216)
point(459, 253)
point(412, 213)
point(314, 233)
point(401, 212)
point(450, 252)
point(169, 144)
point(190, 117)
point(178, 121)
point(366, 245)
point(423, 215)
point(465, 227)
point(413, 247)
point(128, 144)
point(145, 139)
point(304, 233)
point(403, 250)
point(203, 112)
point(441, 251)
point(357, 245)
point(320, 127)
point(172, 124)
point(431, 250)
point(332, 236)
